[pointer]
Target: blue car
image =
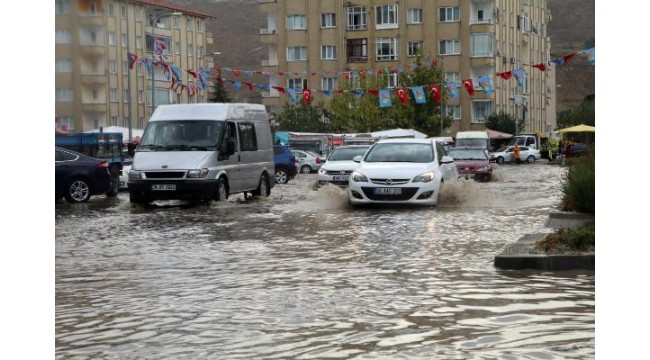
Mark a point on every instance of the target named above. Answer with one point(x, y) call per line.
point(78, 177)
point(285, 164)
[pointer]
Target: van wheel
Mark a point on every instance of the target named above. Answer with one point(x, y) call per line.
point(222, 191)
point(263, 188)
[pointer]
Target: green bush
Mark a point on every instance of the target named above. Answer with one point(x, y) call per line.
point(581, 239)
point(579, 185)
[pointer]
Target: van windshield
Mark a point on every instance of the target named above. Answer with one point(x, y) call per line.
point(476, 142)
point(183, 135)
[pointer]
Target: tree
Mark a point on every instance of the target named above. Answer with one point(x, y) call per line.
point(219, 93)
point(300, 117)
point(504, 122)
point(357, 112)
point(584, 113)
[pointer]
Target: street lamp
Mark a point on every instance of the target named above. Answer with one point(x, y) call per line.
point(154, 24)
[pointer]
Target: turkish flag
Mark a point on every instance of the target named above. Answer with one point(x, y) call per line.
point(540, 66)
point(469, 86)
point(505, 75)
point(306, 96)
point(403, 96)
point(435, 91)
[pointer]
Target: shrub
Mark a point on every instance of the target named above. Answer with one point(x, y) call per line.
point(579, 185)
point(581, 239)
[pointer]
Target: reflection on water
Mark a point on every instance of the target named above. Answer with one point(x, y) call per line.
point(302, 275)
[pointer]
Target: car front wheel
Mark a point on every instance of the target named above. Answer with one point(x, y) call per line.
point(222, 191)
point(281, 176)
point(77, 191)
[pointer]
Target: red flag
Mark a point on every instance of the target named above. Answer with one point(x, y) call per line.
point(306, 96)
point(434, 62)
point(505, 75)
point(250, 86)
point(403, 95)
point(469, 86)
point(280, 73)
point(540, 66)
point(279, 88)
point(568, 57)
point(435, 92)
point(373, 91)
point(346, 75)
point(236, 72)
point(362, 74)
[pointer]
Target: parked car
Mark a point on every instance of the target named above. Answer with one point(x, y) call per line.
point(308, 161)
point(339, 165)
point(526, 154)
point(575, 150)
point(286, 166)
point(78, 177)
point(401, 171)
point(472, 163)
point(124, 176)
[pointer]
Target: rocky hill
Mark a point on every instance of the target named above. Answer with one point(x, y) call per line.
point(237, 23)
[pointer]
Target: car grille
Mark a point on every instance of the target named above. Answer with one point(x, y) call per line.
point(339, 172)
point(407, 193)
point(164, 174)
point(389, 181)
point(467, 169)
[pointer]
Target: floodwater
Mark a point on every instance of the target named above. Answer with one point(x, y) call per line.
point(301, 275)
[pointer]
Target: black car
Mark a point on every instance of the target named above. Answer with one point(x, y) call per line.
point(285, 164)
point(78, 176)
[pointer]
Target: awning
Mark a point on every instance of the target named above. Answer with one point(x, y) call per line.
point(577, 128)
point(498, 135)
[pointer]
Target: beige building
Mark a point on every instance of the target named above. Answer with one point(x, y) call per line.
point(93, 79)
point(470, 38)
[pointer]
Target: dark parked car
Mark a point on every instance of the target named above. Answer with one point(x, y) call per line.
point(285, 164)
point(576, 149)
point(77, 176)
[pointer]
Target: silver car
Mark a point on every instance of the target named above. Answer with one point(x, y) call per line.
point(308, 161)
point(339, 165)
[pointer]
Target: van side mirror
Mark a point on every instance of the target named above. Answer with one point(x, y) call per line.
point(231, 145)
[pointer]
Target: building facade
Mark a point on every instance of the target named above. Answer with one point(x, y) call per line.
point(95, 86)
point(468, 38)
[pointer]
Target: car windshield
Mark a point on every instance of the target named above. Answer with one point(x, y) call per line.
point(400, 152)
point(182, 135)
point(467, 154)
point(341, 154)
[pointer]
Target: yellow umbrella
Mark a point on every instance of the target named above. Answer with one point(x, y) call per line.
point(577, 128)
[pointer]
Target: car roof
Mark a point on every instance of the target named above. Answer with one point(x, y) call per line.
point(405, 140)
point(466, 148)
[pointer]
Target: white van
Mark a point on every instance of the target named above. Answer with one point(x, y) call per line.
point(202, 152)
point(473, 139)
point(529, 140)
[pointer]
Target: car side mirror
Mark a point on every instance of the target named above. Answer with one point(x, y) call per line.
point(357, 159)
point(231, 145)
point(446, 159)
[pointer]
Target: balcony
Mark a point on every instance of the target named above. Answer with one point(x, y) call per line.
point(92, 49)
point(91, 19)
point(483, 61)
point(269, 63)
point(268, 36)
point(93, 107)
point(93, 79)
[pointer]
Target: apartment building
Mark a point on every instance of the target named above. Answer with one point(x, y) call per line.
point(469, 38)
point(94, 85)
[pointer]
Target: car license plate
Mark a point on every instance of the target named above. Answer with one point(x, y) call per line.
point(388, 191)
point(340, 178)
point(163, 187)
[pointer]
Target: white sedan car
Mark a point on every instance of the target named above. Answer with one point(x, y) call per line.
point(526, 154)
point(401, 171)
point(124, 177)
point(339, 165)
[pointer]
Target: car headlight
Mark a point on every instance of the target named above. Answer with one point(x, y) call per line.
point(135, 175)
point(425, 178)
point(322, 170)
point(358, 177)
point(197, 173)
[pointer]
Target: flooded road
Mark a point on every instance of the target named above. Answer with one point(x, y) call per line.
point(301, 275)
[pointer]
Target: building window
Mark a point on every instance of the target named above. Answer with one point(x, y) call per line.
point(177, 21)
point(126, 121)
point(199, 25)
point(114, 121)
point(111, 9)
point(297, 84)
point(451, 111)
point(415, 48)
point(386, 16)
point(386, 49)
point(64, 94)
point(414, 16)
point(125, 94)
point(94, 67)
point(125, 67)
point(357, 50)
point(481, 45)
point(391, 81)
point(454, 77)
point(112, 66)
point(112, 95)
point(296, 53)
point(328, 20)
point(140, 96)
point(329, 83)
point(189, 24)
point(62, 7)
point(199, 51)
point(124, 40)
point(111, 38)
point(481, 110)
point(356, 18)
point(63, 65)
point(449, 47)
point(141, 123)
point(123, 11)
point(450, 14)
point(138, 13)
point(65, 123)
point(138, 69)
point(138, 42)
point(177, 47)
point(190, 49)
point(62, 37)
point(328, 52)
point(296, 22)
